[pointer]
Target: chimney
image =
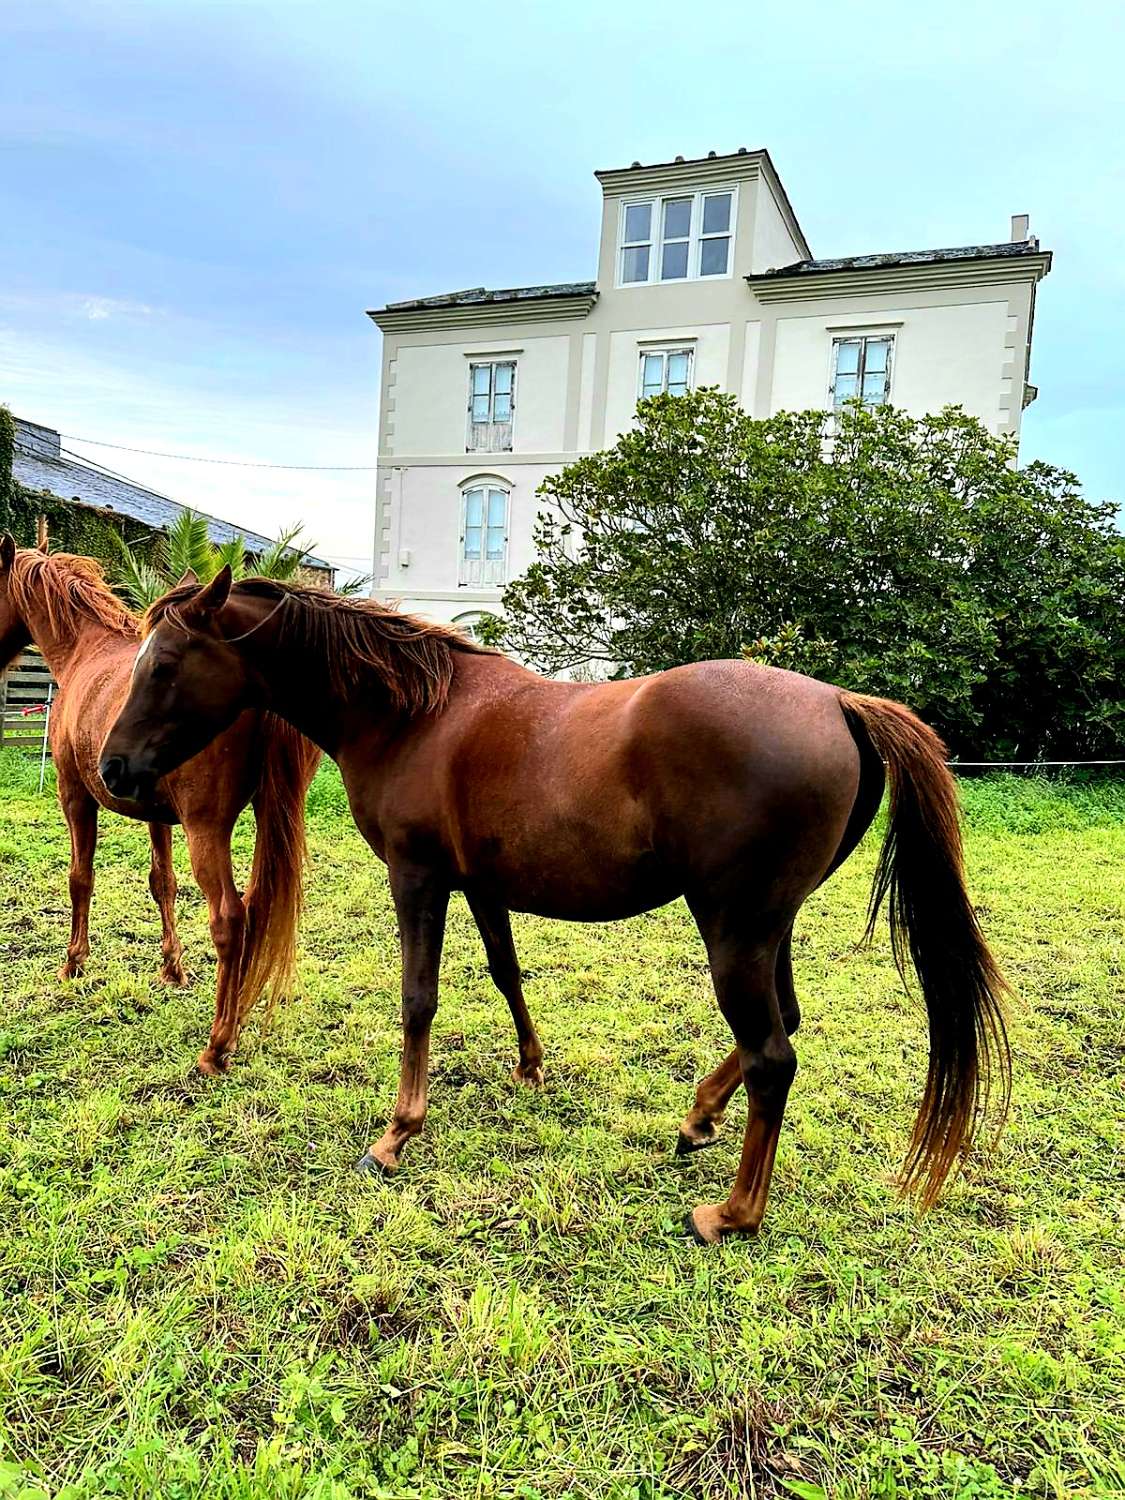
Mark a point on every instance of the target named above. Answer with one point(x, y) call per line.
point(1019, 228)
point(32, 438)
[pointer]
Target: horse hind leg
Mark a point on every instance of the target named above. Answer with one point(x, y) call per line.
point(162, 884)
point(700, 1126)
point(744, 971)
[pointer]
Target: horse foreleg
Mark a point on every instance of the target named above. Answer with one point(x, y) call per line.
point(495, 928)
point(421, 902)
point(162, 884)
point(209, 848)
point(81, 813)
point(744, 970)
point(701, 1124)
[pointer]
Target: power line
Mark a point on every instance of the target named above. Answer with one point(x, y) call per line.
point(92, 463)
point(236, 463)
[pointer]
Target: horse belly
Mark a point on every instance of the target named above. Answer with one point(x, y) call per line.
point(573, 870)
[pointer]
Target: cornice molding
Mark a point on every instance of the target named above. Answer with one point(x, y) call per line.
point(512, 461)
point(485, 314)
point(387, 595)
point(623, 182)
point(878, 281)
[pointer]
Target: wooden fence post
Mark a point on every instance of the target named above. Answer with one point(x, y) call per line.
point(25, 686)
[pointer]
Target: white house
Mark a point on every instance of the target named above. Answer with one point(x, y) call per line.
point(704, 278)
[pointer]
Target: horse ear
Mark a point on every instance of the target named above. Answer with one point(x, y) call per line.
point(213, 595)
point(7, 551)
point(190, 576)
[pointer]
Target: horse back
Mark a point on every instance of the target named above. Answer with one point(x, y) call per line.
point(599, 800)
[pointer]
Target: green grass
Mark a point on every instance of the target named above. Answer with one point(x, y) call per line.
point(198, 1297)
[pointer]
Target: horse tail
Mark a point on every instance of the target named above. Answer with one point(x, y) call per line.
point(276, 889)
point(921, 870)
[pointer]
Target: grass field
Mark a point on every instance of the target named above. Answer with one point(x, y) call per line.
point(199, 1298)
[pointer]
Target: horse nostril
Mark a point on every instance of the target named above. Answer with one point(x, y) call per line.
point(112, 771)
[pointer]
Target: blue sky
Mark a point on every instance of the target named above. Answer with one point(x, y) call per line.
point(200, 198)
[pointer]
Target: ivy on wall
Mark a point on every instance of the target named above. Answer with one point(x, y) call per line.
point(70, 527)
point(7, 454)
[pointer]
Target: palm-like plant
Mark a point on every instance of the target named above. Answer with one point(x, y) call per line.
point(186, 545)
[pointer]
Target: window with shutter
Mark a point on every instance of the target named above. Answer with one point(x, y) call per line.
point(665, 371)
point(484, 535)
point(861, 370)
point(492, 403)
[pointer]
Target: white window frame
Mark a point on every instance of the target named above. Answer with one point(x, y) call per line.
point(862, 337)
point(696, 237)
point(483, 572)
point(491, 436)
point(664, 350)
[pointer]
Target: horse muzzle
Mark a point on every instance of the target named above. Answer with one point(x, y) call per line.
point(126, 779)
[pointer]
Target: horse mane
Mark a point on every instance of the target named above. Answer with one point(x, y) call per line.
point(357, 640)
point(72, 589)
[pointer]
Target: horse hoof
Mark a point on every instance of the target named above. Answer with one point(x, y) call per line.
point(686, 1144)
point(176, 978)
point(532, 1077)
point(706, 1225)
point(214, 1064)
point(371, 1166)
point(695, 1232)
point(71, 970)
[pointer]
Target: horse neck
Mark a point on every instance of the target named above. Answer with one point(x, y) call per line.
point(300, 690)
point(66, 638)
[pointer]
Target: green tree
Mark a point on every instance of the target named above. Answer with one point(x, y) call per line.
point(902, 556)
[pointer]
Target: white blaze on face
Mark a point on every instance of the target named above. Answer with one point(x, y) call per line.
point(145, 644)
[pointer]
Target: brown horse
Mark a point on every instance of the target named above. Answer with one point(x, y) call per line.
point(738, 787)
point(90, 642)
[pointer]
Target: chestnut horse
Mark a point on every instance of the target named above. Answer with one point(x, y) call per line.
point(90, 642)
point(738, 787)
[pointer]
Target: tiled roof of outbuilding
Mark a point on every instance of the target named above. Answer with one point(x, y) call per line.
point(70, 479)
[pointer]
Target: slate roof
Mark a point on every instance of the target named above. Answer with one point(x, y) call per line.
point(36, 467)
point(474, 295)
point(477, 296)
point(1010, 249)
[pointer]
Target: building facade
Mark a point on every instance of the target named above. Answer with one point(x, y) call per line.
point(704, 279)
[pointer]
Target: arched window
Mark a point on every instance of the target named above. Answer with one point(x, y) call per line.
point(484, 534)
point(470, 623)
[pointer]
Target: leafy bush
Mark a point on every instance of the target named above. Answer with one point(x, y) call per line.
point(901, 556)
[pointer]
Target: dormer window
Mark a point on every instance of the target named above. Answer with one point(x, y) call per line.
point(683, 237)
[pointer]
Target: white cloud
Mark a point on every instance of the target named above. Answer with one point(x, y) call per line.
point(99, 308)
